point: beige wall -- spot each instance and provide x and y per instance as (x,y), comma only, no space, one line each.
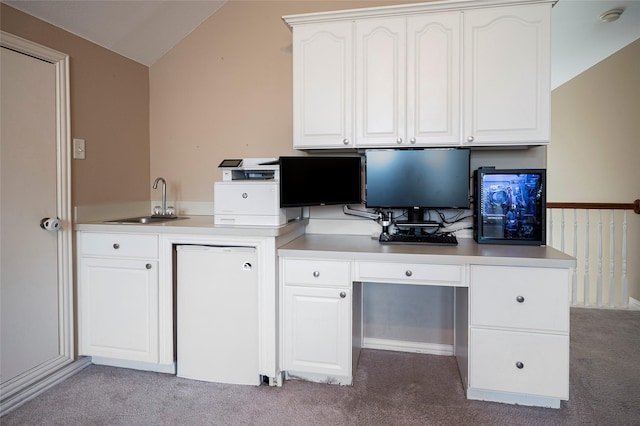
(595,125)
(225,91)
(109,109)
(595,152)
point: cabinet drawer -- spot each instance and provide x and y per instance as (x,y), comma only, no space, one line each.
(317,272)
(118,245)
(414,273)
(526,363)
(513,297)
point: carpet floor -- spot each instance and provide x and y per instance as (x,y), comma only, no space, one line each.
(390,388)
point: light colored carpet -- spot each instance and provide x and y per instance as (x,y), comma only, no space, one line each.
(390,388)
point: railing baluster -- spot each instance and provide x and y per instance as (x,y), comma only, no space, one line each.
(562,232)
(599,278)
(612,260)
(574,278)
(550,220)
(625,290)
(587,290)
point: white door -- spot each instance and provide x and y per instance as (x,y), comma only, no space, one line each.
(35,288)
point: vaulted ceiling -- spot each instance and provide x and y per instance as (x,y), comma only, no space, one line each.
(145,30)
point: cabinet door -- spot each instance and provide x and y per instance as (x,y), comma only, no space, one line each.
(507,75)
(433,79)
(380,77)
(518,362)
(317,324)
(323,85)
(118,309)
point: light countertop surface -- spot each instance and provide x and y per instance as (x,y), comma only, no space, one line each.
(366,248)
(191,225)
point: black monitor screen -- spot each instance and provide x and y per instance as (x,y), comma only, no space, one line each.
(318,181)
(422,178)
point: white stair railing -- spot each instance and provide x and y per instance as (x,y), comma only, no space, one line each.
(611,293)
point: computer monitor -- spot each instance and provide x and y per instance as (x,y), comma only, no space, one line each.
(417,179)
(320,181)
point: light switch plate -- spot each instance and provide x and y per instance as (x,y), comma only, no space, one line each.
(78,149)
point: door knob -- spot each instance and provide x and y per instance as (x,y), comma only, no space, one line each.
(50,224)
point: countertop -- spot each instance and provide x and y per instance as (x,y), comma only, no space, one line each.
(202,225)
(366,248)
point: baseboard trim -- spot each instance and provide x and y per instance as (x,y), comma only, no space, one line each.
(407,346)
(40,386)
(135,365)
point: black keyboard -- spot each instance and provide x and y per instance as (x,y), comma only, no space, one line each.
(426,239)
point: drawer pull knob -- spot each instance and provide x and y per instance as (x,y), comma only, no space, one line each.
(408,272)
(520,299)
(148,266)
(343,294)
(316,274)
(520,365)
(116,246)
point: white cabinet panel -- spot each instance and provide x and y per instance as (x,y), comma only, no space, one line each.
(317,330)
(118,296)
(119,245)
(318,272)
(524,363)
(323,85)
(412,273)
(507,75)
(520,298)
(118,309)
(380,79)
(433,79)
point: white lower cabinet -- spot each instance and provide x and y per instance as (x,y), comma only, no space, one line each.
(519,334)
(118,296)
(520,362)
(317,320)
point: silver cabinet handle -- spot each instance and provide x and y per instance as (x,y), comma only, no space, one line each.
(148,266)
(412,140)
(399,140)
(343,294)
(116,246)
(316,274)
(470,139)
(345,141)
(519,365)
(520,299)
(408,272)
(50,224)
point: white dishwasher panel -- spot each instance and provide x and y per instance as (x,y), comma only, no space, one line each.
(217,314)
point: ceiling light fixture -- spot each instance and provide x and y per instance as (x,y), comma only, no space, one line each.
(611,15)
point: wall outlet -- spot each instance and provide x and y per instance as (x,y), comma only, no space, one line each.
(78,149)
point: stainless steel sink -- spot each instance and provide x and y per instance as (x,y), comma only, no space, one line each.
(145,220)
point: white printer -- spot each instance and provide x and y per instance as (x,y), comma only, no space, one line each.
(249,194)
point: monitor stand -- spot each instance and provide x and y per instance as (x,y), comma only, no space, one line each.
(415,219)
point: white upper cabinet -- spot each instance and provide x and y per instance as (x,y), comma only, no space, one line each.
(323,86)
(408,81)
(380,81)
(442,73)
(433,79)
(507,75)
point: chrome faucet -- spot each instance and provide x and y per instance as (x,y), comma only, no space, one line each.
(164,193)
